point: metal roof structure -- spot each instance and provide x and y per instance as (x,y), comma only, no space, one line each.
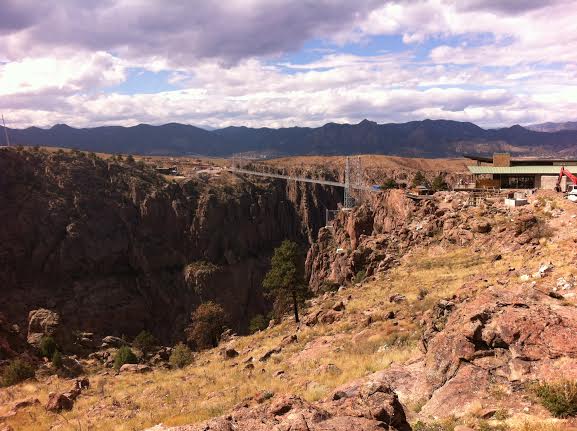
(519,170)
(524,160)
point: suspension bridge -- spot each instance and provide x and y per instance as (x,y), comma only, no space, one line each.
(353,185)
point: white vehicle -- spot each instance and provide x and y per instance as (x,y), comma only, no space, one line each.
(572,192)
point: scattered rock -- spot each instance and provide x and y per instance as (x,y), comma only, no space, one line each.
(289,339)
(481,227)
(397,298)
(111,341)
(366,408)
(268,354)
(58,402)
(229,353)
(339,306)
(135,368)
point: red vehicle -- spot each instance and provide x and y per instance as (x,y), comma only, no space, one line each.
(571,188)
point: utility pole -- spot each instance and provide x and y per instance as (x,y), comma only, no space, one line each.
(5,131)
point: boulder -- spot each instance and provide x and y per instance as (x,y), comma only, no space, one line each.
(59,401)
(504,335)
(42,322)
(134,368)
(229,353)
(111,341)
(481,226)
(268,354)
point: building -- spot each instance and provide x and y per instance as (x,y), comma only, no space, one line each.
(504,172)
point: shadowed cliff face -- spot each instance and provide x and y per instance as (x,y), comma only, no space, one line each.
(114,248)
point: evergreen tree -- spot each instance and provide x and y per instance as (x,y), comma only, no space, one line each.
(439,183)
(389,183)
(285,280)
(420,180)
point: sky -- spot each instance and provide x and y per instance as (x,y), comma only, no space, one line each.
(283,63)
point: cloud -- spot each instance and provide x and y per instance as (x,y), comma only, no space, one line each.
(180,31)
(485,61)
(60,76)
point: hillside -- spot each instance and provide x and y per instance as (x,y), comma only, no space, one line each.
(429,315)
(428,138)
(553,127)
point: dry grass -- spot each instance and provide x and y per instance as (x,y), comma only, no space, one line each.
(323,358)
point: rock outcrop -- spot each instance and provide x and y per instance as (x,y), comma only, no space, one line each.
(364,407)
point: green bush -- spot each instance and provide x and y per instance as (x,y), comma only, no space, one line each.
(559,398)
(419,180)
(57,360)
(389,183)
(258,323)
(16,372)
(359,276)
(124,355)
(144,341)
(439,183)
(181,356)
(47,347)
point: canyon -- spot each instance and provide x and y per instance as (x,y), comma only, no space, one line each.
(428,314)
(114,248)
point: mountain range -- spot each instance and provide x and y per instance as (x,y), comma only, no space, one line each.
(427,138)
(553,127)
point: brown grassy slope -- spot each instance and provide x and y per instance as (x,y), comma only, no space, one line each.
(376,161)
(324,356)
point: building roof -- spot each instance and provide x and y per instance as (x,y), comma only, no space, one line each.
(528,169)
(489,159)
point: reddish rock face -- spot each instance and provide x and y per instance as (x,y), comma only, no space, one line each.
(501,338)
(106,245)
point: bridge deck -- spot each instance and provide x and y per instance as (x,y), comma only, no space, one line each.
(303,179)
(288,177)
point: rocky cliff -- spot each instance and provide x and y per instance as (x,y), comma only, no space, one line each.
(115,248)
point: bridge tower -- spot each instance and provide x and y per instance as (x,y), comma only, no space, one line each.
(5,132)
(353,181)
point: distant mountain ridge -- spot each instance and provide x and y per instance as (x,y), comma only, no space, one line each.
(553,127)
(426,138)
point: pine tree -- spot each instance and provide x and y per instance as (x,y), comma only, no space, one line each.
(285,280)
(420,180)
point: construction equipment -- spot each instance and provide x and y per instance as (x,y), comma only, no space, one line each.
(571,188)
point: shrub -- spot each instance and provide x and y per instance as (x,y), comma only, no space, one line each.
(124,355)
(207,324)
(130,159)
(419,180)
(181,356)
(329,286)
(359,276)
(559,398)
(389,183)
(57,360)
(439,183)
(47,347)
(16,372)
(444,425)
(258,323)
(144,341)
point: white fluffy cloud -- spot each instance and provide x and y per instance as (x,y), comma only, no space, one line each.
(491,62)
